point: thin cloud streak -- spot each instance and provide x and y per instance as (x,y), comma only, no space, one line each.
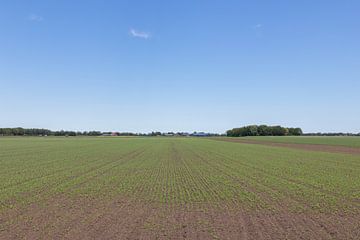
(35,18)
(258,29)
(139,34)
(257,26)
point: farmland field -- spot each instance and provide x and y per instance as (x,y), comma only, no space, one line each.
(176,188)
(322,140)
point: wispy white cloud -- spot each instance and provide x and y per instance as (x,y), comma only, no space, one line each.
(139,34)
(258,29)
(257,26)
(35,18)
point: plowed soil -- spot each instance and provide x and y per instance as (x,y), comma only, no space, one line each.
(309,147)
(84,218)
(174,188)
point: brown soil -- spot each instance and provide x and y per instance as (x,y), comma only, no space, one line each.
(308,147)
(84,218)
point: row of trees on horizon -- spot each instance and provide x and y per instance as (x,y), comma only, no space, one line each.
(251,130)
(263,130)
(46,132)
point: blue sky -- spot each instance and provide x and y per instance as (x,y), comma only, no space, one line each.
(180,66)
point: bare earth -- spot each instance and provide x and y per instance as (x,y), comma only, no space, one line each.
(308,147)
(66,218)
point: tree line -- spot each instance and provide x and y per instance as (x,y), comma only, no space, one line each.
(263,130)
(251,130)
(331,134)
(44,132)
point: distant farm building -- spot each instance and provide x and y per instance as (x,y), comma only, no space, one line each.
(200,134)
